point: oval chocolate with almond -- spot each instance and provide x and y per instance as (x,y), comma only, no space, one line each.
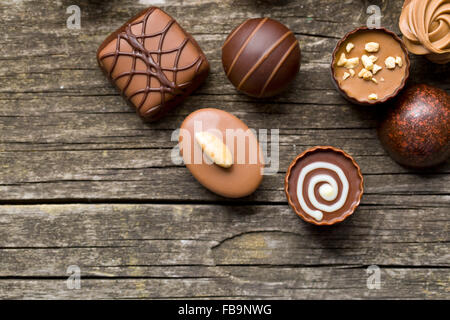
(221,152)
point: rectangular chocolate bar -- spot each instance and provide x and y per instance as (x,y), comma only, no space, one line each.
(153,62)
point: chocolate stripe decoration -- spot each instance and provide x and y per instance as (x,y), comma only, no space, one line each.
(245,45)
(274,72)
(153,62)
(260,57)
(234,32)
(264,57)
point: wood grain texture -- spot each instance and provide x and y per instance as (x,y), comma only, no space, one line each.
(84,181)
(220,251)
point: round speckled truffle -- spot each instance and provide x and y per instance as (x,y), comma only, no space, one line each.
(416,130)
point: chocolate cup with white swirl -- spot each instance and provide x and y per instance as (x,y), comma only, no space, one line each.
(324,185)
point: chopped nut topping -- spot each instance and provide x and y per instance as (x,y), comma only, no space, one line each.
(373,96)
(360,74)
(376,68)
(399,61)
(374,80)
(352,72)
(349,47)
(346,75)
(372,47)
(390,62)
(341,60)
(367,62)
(351,63)
(347,63)
(373,58)
(365,74)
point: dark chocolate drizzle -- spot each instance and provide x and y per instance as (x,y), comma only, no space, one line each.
(154,68)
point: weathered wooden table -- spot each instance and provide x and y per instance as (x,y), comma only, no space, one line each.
(85,182)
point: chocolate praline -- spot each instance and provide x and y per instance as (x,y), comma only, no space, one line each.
(389,82)
(261,57)
(246,172)
(153,62)
(426,28)
(415,130)
(324,185)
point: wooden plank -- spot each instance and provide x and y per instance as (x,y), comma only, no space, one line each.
(245,282)
(128,251)
(56,179)
(217,235)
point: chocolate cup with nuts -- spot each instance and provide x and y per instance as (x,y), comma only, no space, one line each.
(381,81)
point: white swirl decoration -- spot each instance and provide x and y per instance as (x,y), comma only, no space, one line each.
(328,190)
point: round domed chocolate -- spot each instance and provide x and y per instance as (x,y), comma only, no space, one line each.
(261,57)
(324,185)
(415,131)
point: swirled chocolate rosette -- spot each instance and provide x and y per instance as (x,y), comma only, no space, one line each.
(324,185)
(425,25)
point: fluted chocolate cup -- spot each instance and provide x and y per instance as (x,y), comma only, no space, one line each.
(324,185)
(389,82)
